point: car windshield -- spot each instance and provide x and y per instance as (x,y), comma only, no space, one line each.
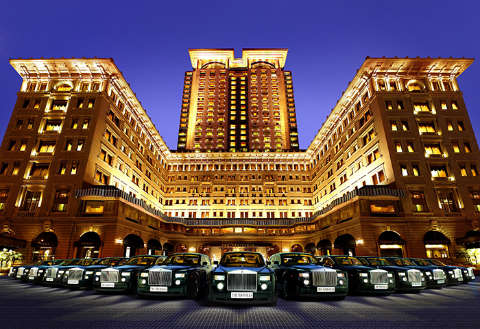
(67,262)
(184,259)
(141,261)
(347,261)
(422,262)
(58,261)
(110,261)
(86,262)
(160,260)
(402,262)
(436,262)
(295,259)
(242,259)
(378,261)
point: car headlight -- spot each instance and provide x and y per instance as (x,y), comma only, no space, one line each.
(217,277)
(401,274)
(340,275)
(265,277)
(61,272)
(40,271)
(126,274)
(98,273)
(304,275)
(364,275)
(144,274)
(179,275)
(88,272)
(390,275)
(450,272)
(67,272)
(428,273)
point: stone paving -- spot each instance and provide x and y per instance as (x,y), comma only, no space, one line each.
(26,306)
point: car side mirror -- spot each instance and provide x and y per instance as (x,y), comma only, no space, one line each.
(269,263)
(215,262)
(276,262)
(204,263)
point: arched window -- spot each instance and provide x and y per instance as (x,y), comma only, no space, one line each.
(132,243)
(345,244)
(154,247)
(391,244)
(436,244)
(64,86)
(415,86)
(88,246)
(44,246)
(325,247)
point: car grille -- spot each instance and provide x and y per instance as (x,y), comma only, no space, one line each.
(242,281)
(20,272)
(51,272)
(33,271)
(109,276)
(414,276)
(378,277)
(324,278)
(160,277)
(75,274)
(457,273)
(438,274)
(470,272)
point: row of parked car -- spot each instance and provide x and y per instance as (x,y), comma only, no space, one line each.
(245,277)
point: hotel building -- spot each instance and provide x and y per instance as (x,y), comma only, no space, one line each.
(392,171)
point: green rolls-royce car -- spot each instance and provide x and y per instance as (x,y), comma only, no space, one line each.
(242,278)
(122,278)
(434,277)
(82,276)
(182,274)
(37,272)
(406,279)
(362,279)
(453,273)
(299,275)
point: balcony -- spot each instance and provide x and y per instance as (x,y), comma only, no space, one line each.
(113,192)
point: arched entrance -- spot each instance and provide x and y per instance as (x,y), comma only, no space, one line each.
(391,244)
(272,250)
(88,246)
(132,244)
(167,248)
(154,247)
(296,248)
(325,247)
(471,242)
(310,248)
(44,246)
(436,244)
(345,245)
(181,248)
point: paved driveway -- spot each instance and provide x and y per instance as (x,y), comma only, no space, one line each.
(26,306)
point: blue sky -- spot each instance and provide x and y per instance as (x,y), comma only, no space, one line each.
(327,43)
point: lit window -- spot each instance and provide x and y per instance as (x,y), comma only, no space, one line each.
(404,170)
(398,147)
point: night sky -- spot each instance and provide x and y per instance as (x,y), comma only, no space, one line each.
(327,41)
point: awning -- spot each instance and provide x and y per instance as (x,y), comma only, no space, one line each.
(133,241)
(390,237)
(10,242)
(89,239)
(45,240)
(470,240)
(435,238)
(154,244)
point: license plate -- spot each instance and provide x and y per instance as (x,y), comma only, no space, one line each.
(107,285)
(242,295)
(72,281)
(49,279)
(159,289)
(325,289)
(416,284)
(460,279)
(440,281)
(381,286)
(31,277)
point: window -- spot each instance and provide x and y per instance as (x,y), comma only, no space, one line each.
(85,124)
(400,106)
(426,127)
(3,168)
(23,145)
(39,170)
(404,170)
(439,171)
(418,202)
(421,107)
(447,201)
(46,147)
(59,105)
(91,103)
(468,148)
(11,145)
(101,177)
(16,168)
(432,149)
(463,170)
(443,105)
(455,147)
(74,124)
(454,105)
(410,147)
(475,195)
(60,201)
(74,169)
(393,125)
(398,147)
(461,126)
(31,200)
(19,124)
(30,124)
(68,145)
(63,168)
(473,170)
(416,170)
(80,144)
(389,105)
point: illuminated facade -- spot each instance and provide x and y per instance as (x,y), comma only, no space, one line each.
(238,104)
(392,171)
